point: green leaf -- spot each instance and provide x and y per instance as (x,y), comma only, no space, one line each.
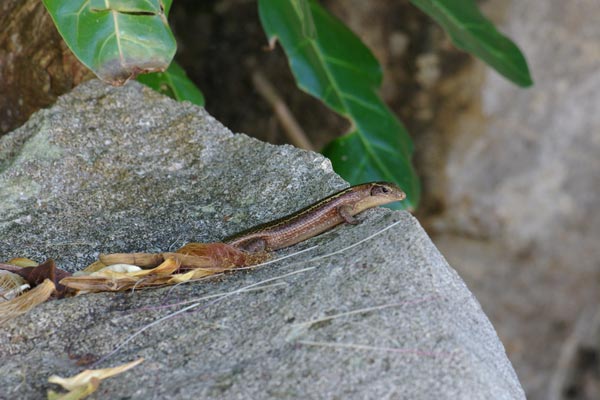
(116,39)
(302,8)
(337,68)
(356,165)
(474,33)
(174,83)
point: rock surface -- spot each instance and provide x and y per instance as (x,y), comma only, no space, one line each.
(125,169)
(522,186)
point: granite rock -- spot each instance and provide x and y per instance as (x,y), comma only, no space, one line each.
(125,169)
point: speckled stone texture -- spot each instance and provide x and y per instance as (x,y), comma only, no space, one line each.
(125,169)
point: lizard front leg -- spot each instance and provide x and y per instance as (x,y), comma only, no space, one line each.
(345,212)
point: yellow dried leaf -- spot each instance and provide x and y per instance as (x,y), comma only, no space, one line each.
(80,392)
(192,274)
(21,304)
(93,267)
(169,266)
(178,278)
(11,285)
(88,380)
(22,262)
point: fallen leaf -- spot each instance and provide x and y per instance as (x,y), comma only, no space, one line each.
(144,260)
(11,285)
(22,262)
(124,268)
(108,279)
(26,301)
(86,382)
(46,270)
(80,392)
(221,255)
(93,267)
(192,274)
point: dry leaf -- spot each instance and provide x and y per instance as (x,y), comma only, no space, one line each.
(169,266)
(221,255)
(126,268)
(86,382)
(25,302)
(218,256)
(144,260)
(86,284)
(190,275)
(46,270)
(109,280)
(80,392)
(22,262)
(115,272)
(11,285)
(93,267)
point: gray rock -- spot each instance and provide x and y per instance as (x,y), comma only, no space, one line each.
(522,191)
(125,169)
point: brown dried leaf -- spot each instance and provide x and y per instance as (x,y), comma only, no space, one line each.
(46,270)
(221,255)
(144,260)
(88,283)
(190,261)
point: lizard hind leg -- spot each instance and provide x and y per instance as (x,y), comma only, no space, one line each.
(253,245)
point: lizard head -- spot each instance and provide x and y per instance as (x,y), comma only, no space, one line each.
(377,194)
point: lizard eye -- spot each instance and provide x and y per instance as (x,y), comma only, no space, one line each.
(378,190)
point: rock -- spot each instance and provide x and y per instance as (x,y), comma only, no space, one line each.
(522,184)
(125,169)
